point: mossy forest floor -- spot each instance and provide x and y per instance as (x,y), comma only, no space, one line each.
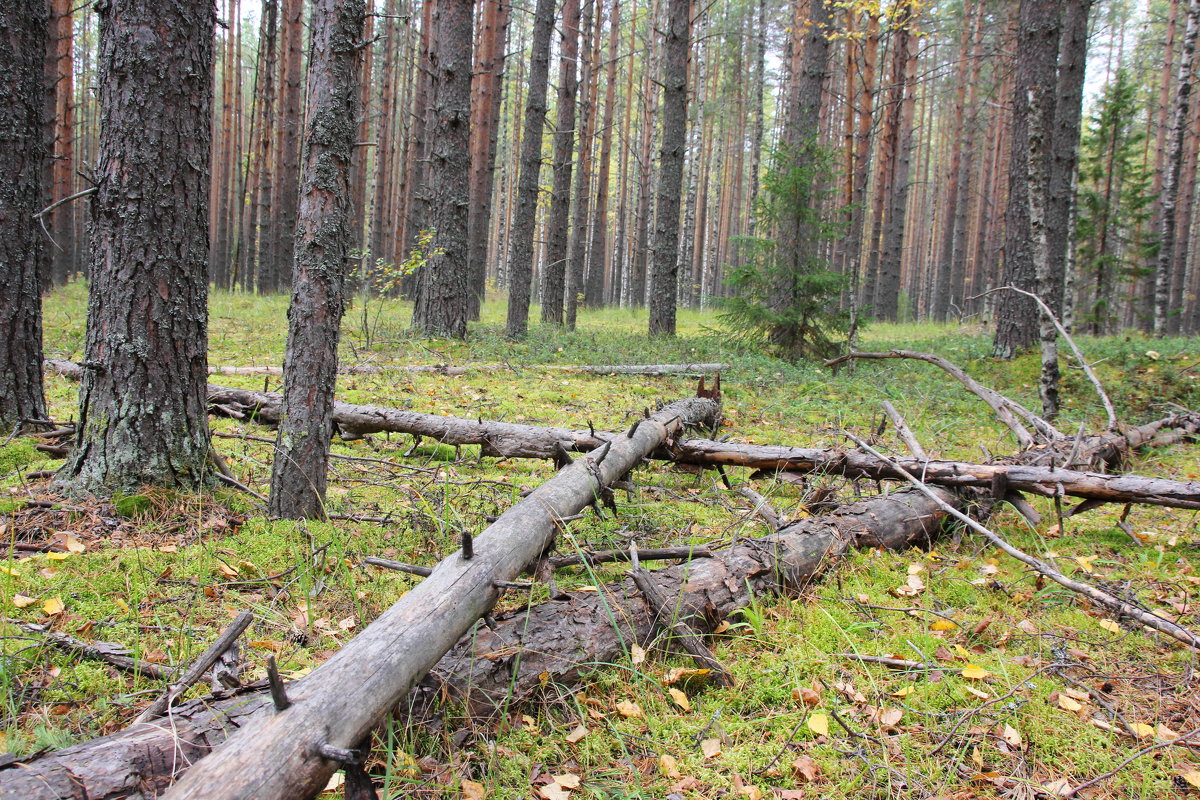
(1037,688)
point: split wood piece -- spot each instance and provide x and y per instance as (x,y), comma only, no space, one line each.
(278,755)
(1005,409)
(450,369)
(676,617)
(556,641)
(1096,595)
(109,652)
(198,668)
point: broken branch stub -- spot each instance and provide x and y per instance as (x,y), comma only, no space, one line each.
(278,755)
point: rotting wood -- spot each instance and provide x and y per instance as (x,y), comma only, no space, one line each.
(678,619)
(278,755)
(507,662)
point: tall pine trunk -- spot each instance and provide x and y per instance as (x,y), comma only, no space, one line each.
(143,419)
(23,151)
(322,237)
(557,230)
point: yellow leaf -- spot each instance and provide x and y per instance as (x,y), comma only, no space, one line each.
(711,748)
(1085,563)
(961,651)
(473,791)
(1192,777)
(1141,730)
(1109,625)
(668,766)
(975,673)
(53,606)
(628,708)
(636,654)
(977,693)
(904,691)
(943,625)
(529,722)
(1153,355)
(819,724)
(567,780)
(226,570)
(121,604)
(1012,736)
(680,699)
(577,734)
(751,792)
(1069,703)
(9,570)
(23,601)
(74,545)
(58,556)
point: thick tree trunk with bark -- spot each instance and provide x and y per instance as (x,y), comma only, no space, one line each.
(322,238)
(1170,180)
(282,222)
(62,73)
(1034,92)
(441,306)
(558,220)
(142,412)
(594,291)
(23,151)
(665,271)
(520,262)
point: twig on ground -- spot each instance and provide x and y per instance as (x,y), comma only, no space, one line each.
(109,652)
(1098,596)
(1148,749)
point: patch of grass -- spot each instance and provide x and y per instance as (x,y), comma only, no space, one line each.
(162,573)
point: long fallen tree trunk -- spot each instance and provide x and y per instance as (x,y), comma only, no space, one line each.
(285,753)
(508,661)
(1040,471)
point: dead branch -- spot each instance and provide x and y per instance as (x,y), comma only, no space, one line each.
(109,652)
(904,432)
(1098,596)
(1005,409)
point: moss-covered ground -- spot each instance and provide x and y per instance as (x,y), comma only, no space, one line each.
(1007,712)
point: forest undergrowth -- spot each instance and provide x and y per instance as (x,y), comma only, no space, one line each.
(1029,691)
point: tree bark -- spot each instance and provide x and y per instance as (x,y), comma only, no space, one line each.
(142,412)
(62,219)
(1170,181)
(520,262)
(23,152)
(282,223)
(665,276)
(441,306)
(558,220)
(1036,79)
(600,259)
(581,195)
(298,474)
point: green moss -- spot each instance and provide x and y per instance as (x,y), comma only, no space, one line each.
(20,452)
(131,505)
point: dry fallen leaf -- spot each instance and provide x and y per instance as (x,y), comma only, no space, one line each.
(1165,733)
(1110,626)
(942,625)
(1025,626)
(807,696)
(636,654)
(23,601)
(628,708)
(529,722)
(1141,730)
(53,606)
(805,769)
(904,691)
(975,673)
(680,699)
(1192,776)
(888,718)
(577,734)
(1058,788)
(977,693)
(819,724)
(1012,736)
(473,791)
(668,766)
(568,779)
(74,545)
(1069,703)
(751,792)
(58,556)
(554,792)
(711,748)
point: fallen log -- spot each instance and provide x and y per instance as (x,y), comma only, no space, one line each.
(462,369)
(1039,471)
(286,754)
(509,661)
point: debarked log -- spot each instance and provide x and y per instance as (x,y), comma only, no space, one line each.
(510,660)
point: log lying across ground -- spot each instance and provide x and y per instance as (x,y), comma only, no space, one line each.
(507,661)
(285,754)
(531,441)
(1039,471)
